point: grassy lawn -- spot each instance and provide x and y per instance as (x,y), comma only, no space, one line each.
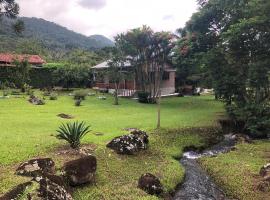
(237,171)
(28,131)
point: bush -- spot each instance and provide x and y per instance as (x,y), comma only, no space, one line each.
(73,133)
(5,93)
(53,96)
(78,102)
(80,94)
(143,97)
(46,93)
(255,116)
(15,92)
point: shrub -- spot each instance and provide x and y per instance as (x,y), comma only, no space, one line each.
(5,93)
(256,118)
(73,133)
(46,93)
(78,102)
(53,96)
(143,97)
(80,94)
(15,92)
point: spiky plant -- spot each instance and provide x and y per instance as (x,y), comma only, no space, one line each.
(73,133)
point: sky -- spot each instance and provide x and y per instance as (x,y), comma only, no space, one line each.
(110,17)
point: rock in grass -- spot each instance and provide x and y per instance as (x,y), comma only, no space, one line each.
(35,167)
(150,184)
(16,191)
(265,170)
(81,171)
(36,101)
(50,187)
(130,144)
(65,116)
(264,184)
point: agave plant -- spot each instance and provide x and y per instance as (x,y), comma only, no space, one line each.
(73,133)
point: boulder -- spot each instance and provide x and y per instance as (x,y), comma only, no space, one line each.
(65,116)
(265,170)
(36,101)
(264,186)
(16,192)
(51,187)
(35,167)
(141,134)
(242,138)
(150,184)
(81,171)
(130,144)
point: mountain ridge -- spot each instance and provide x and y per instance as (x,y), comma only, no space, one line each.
(53,35)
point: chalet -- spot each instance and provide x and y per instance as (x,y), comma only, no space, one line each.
(33,60)
(129,87)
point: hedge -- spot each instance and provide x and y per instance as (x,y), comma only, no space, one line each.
(39,77)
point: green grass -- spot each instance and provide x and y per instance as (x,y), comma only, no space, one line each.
(237,171)
(27,131)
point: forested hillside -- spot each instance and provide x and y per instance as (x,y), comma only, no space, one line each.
(52,36)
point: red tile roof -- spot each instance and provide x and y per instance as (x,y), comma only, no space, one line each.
(32,59)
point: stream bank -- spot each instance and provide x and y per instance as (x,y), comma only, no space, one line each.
(197,184)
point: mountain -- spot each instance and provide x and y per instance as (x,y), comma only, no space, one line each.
(52,35)
(102,40)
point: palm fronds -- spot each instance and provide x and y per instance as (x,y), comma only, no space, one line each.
(73,133)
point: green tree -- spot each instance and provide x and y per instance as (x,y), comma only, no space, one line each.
(148,52)
(72,76)
(10,9)
(117,72)
(234,40)
(21,76)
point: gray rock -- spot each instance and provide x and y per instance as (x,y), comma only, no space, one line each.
(130,144)
(35,167)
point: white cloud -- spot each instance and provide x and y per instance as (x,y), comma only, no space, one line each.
(92,4)
(109,17)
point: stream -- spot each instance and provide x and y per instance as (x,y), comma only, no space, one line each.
(197,184)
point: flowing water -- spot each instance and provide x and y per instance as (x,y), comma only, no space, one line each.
(197,184)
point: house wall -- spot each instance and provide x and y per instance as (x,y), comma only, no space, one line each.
(168,86)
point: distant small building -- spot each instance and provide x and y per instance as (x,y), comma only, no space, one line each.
(33,60)
(129,87)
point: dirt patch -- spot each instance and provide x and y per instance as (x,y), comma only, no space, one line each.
(65,116)
(68,151)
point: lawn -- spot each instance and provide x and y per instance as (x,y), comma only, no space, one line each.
(28,131)
(237,172)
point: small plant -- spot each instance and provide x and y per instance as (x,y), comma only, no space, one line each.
(15,92)
(78,102)
(46,93)
(80,94)
(143,97)
(27,89)
(5,93)
(73,133)
(53,96)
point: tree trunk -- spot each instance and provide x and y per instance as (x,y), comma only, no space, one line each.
(158,112)
(116,102)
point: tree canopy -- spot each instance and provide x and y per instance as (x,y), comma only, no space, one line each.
(230,40)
